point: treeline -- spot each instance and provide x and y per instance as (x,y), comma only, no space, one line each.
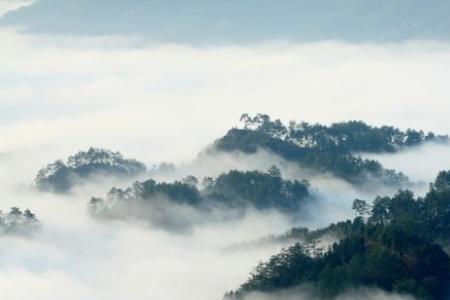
(62,176)
(343,137)
(324,149)
(332,149)
(395,244)
(234,190)
(17,221)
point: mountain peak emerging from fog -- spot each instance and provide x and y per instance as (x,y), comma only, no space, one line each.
(206,21)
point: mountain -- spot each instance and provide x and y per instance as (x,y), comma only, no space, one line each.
(83,167)
(205,21)
(328,149)
(396,244)
(174,205)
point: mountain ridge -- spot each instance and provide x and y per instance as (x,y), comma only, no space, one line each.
(218,21)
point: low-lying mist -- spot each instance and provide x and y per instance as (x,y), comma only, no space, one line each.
(74,256)
(165,103)
(302,294)
(420,163)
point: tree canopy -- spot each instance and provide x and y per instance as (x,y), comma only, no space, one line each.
(334,149)
(394,244)
(62,176)
(232,190)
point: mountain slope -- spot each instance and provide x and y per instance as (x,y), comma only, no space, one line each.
(396,244)
(237,20)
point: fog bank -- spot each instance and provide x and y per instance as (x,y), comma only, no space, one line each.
(165,102)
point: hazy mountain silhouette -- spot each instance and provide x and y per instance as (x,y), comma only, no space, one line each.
(199,21)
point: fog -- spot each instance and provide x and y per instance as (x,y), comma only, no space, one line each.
(421,163)
(166,102)
(9,5)
(75,257)
(160,103)
(300,294)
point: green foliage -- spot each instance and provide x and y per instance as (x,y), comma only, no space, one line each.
(327,148)
(394,244)
(61,177)
(380,256)
(361,207)
(344,137)
(233,190)
(177,192)
(261,190)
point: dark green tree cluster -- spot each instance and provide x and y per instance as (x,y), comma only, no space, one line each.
(61,176)
(235,189)
(427,216)
(343,137)
(394,244)
(377,256)
(330,149)
(177,192)
(17,221)
(262,190)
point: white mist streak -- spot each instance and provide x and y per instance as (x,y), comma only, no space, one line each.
(166,102)
(59,95)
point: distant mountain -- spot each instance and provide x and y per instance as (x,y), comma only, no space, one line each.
(205,21)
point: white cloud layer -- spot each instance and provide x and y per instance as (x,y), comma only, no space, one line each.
(369,294)
(421,163)
(75,257)
(166,102)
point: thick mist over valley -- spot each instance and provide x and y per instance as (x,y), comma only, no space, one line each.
(69,240)
(259,167)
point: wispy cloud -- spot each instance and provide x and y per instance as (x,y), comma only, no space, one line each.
(9,5)
(165,102)
(301,294)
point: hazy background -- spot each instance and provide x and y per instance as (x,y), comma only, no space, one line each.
(166,102)
(240,21)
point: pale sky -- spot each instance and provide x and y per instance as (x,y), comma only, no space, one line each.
(167,102)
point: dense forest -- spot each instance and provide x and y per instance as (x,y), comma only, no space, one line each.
(334,149)
(234,190)
(61,176)
(396,244)
(17,221)
(321,149)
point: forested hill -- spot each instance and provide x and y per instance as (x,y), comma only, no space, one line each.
(173,204)
(320,149)
(204,21)
(61,176)
(395,244)
(333,149)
